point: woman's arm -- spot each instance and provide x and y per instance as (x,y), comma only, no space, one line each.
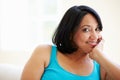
(34,68)
(105,75)
(111,69)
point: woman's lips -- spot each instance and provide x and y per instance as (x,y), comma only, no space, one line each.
(93,44)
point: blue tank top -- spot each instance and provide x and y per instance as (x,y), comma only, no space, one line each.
(55,72)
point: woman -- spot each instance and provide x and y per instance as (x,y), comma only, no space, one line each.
(77,54)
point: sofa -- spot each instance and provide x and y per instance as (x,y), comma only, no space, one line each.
(10,72)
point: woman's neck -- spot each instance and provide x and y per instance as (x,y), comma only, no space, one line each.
(77,56)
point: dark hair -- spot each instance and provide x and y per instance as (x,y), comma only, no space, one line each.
(63,36)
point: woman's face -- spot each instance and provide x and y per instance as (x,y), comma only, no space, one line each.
(88,34)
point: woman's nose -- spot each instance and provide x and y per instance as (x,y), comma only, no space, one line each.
(94,35)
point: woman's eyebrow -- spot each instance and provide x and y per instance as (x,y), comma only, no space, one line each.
(85,26)
(97,26)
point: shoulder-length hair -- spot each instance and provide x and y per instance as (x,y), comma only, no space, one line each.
(63,36)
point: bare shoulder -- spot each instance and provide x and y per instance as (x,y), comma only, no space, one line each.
(39,59)
(42,52)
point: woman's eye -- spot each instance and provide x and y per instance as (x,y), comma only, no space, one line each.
(86,30)
(97,29)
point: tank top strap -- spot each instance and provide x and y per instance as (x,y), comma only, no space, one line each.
(52,56)
(53,53)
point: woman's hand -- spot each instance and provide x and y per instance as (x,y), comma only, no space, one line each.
(97,50)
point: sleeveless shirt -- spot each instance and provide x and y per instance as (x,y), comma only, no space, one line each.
(55,72)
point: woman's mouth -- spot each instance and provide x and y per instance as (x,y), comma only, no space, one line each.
(91,43)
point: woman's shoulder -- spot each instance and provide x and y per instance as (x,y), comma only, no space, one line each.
(42,53)
(42,49)
(37,62)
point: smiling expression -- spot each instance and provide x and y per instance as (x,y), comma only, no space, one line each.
(88,34)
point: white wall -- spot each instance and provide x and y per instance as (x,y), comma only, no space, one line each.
(108,10)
